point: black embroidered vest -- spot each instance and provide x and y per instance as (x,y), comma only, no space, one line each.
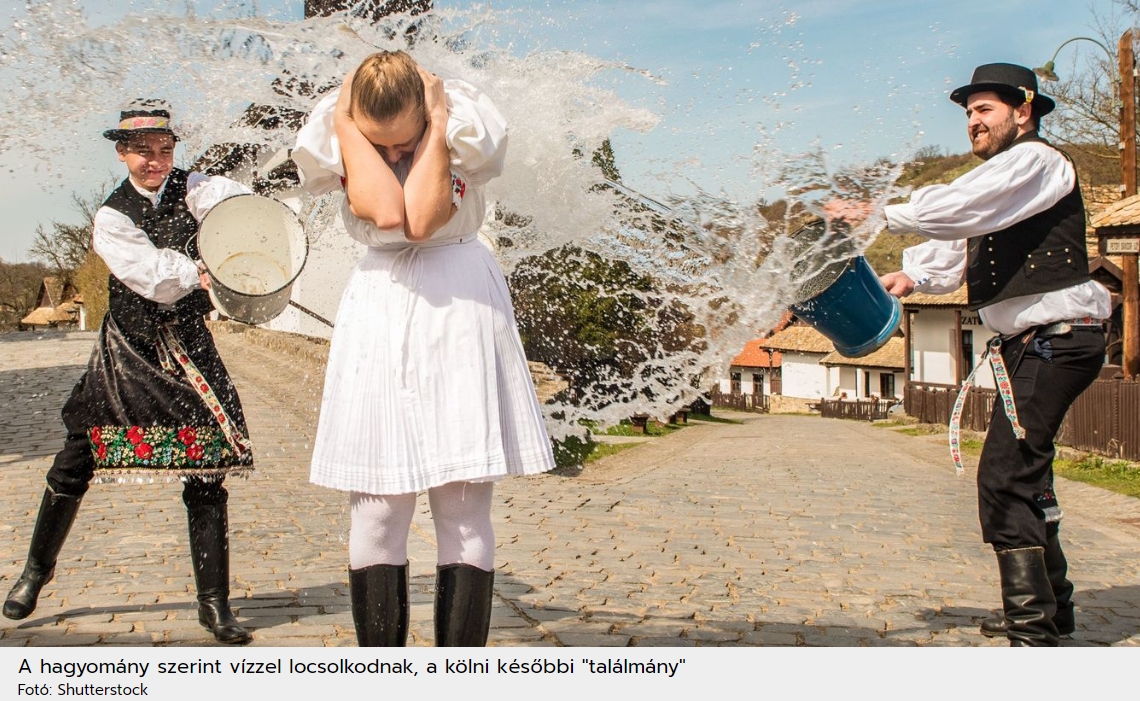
(168,225)
(1043,253)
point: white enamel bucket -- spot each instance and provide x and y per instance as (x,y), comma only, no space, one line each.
(253,248)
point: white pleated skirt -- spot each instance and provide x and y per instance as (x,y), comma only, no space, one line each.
(427,382)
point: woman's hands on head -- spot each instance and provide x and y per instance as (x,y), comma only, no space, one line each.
(343,111)
(427,191)
(435,100)
(374,194)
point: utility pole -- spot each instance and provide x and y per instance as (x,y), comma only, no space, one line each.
(1131,291)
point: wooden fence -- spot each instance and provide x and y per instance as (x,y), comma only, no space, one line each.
(741,402)
(1105,419)
(858,409)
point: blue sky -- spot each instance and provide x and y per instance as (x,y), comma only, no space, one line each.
(855,79)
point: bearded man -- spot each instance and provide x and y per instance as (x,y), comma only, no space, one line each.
(1013,229)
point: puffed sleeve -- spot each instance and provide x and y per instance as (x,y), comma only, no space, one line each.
(163,275)
(937,267)
(204,192)
(317,150)
(476,132)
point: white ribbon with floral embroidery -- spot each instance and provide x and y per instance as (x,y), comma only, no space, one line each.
(171,351)
(1005,394)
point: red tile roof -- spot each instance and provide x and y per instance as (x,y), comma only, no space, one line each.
(755,355)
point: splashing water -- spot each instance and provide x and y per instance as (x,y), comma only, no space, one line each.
(718,272)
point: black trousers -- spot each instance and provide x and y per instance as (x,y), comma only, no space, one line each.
(1017,504)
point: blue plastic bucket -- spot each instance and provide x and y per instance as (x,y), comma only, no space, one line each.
(847,303)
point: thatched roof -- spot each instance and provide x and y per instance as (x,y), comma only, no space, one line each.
(891,357)
(46,316)
(799,339)
(957,298)
(55,291)
(57,304)
(1126,212)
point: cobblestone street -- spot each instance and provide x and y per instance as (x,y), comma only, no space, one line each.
(777,530)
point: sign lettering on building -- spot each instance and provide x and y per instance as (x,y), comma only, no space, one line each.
(1131,245)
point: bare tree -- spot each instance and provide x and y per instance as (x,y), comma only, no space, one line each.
(63,247)
(1087,120)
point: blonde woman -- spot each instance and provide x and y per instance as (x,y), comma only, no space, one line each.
(427,385)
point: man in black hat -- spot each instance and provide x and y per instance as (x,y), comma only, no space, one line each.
(156,400)
(1013,229)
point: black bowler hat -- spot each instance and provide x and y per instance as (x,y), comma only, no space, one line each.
(1018,82)
(148,116)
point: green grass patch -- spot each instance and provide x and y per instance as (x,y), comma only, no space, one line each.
(921,430)
(604,450)
(712,419)
(1114,475)
(651,429)
(571,453)
(572,450)
(971,446)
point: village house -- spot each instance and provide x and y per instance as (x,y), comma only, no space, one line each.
(754,374)
(877,375)
(944,340)
(803,380)
(57,306)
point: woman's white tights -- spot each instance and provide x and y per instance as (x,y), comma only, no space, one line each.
(461,512)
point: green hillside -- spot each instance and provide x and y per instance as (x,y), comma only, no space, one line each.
(885,252)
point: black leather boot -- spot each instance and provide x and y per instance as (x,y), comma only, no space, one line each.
(1027,597)
(209,550)
(1058,568)
(380,605)
(463,595)
(57,513)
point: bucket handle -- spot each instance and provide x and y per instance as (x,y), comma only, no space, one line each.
(313,314)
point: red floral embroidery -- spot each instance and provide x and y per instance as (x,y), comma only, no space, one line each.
(158,447)
(135,435)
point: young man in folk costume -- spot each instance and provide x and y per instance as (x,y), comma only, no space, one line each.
(1013,229)
(156,400)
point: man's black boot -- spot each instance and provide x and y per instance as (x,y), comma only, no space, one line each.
(1027,598)
(57,514)
(1058,568)
(210,553)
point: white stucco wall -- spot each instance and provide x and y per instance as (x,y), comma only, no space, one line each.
(933,355)
(852,380)
(803,376)
(747,376)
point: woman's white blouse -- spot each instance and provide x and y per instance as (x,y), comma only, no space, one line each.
(476,139)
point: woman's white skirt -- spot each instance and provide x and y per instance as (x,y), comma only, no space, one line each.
(427,382)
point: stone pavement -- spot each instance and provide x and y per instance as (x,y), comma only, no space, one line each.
(778,530)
